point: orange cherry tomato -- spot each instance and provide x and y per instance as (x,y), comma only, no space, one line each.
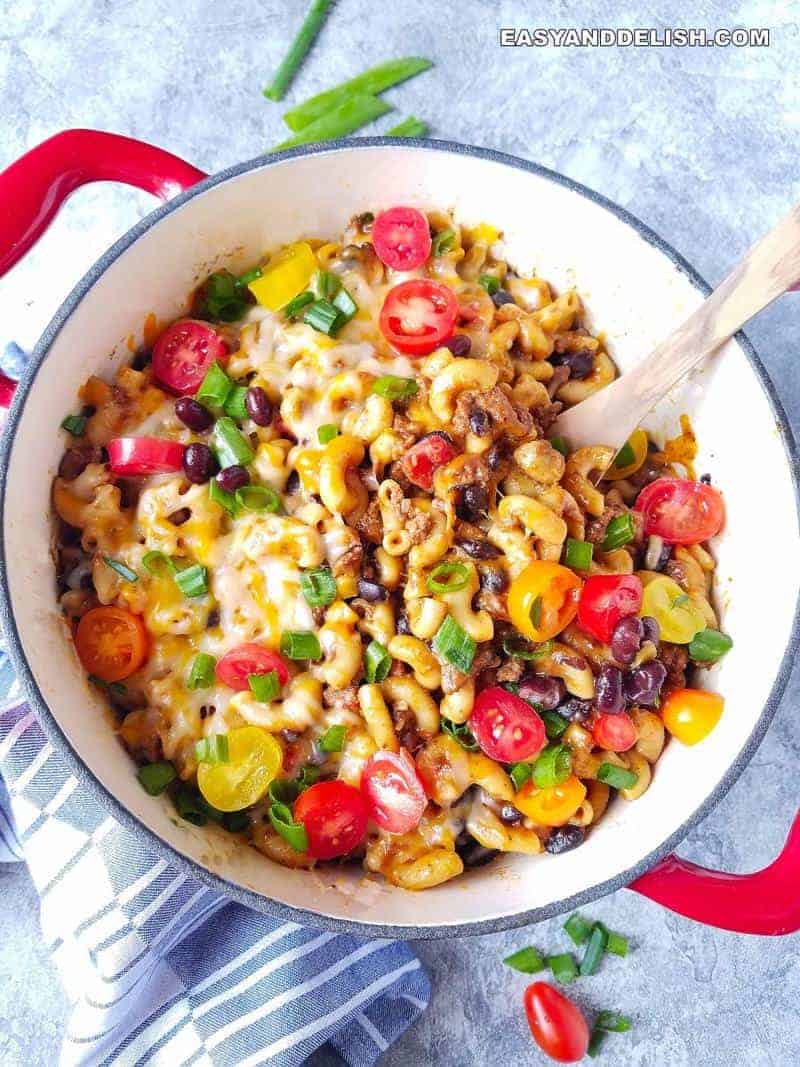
(543,599)
(553,806)
(691,714)
(111,643)
(558,1026)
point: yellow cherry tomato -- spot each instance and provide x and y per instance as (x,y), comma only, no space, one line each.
(543,599)
(678,619)
(553,806)
(287,274)
(254,758)
(630,458)
(691,714)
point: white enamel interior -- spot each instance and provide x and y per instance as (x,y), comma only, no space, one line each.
(635,296)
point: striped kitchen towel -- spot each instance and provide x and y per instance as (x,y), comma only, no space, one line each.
(160,969)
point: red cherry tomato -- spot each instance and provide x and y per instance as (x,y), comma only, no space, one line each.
(394,794)
(423,458)
(557,1025)
(614,733)
(418,316)
(335,817)
(680,511)
(184,352)
(506,726)
(401,237)
(605,599)
(234,667)
(144,455)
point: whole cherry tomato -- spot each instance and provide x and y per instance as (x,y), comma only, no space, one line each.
(335,817)
(418,316)
(423,459)
(605,599)
(139,456)
(506,726)
(558,1026)
(691,714)
(401,237)
(680,511)
(237,665)
(614,733)
(184,352)
(393,791)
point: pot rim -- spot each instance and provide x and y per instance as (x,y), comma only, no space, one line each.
(150,839)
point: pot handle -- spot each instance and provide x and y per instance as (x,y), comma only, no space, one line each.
(765,902)
(34,188)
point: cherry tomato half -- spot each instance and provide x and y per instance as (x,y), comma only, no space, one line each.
(506,726)
(543,599)
(553,805)
(680,511)
(605,599)
(691,714)
(401,237)
(235,666)
(558,1026)
(184,352)
(134,456)
(418,316)
(614,733)
(111,643)
(393,791)
(423,459)
(335,817)
(254,758)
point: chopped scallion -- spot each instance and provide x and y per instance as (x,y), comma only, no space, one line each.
(560,445)
(229,445)
(519,648)
(296,305)
(280,815)
(235,821)
(298,50)
(461,733)
(158,563)
(121,569)
(333,739)
(377,662)
(527,960)
(74,424)
(563,967)
(578,554)
(258,498)
(443,242)
(215,387)
(322,316)
(264,687)
(620,531)
(595,1042)
(249,276)
(708,646)
(455,645)
(224,299)
(447,578)
(326,433)
(283,790)
(212,749)
(349,115)
(394,388)
(346,306)
(325,285)
(201,674)
(155,777)
(222,497)
(520,773)
(617,944)
(625,456)
(552,767)
(554,724)
(613,1021)
(595,947)
(578,928)
(235,404)
(300,644)
(193,581)
(318,586)
(189,805)
(490,283)
(616,777)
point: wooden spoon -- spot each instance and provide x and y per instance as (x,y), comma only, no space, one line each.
(769,269)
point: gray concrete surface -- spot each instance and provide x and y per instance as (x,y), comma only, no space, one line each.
(702,145)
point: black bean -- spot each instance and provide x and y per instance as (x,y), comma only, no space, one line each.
(179,517)
(459,344)
(643,685)
(479,422)
(542,689)
(88,410)
(233,478)
(371,591)
(472,852)
(496,456)
(401,624)
(199,464)
(193,414)
(494,580)
(73,463)
(290,736)
(259,406)
(141,359)
(581,364)
(564,839)
(575,710)
(479,549)
(651,631)
(213,619)
(293,482)
(626,639)
(510,815)
(608,695)
(502,296)
(705,479)
(472,501)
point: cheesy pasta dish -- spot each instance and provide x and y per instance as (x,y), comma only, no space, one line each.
(344,591)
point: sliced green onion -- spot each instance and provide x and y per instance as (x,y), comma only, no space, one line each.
(442,242)
(461,733)
(625,456)
(258,498)
(410,127)
(308,775)
(682,599)
(394,388)
(327,433)
(617,944)
(318,587)
(222,497)
(322,316)
(155,777)
(613,1021)
(212,749)
(201,674)
(552,767)
(490,283)
(189,805)
(616,777)
(455,575)
(346,306)
(377,662)
(325,285)
(536,612)
(554,724)
(249,276)
(300,644)
(280,815)
(455,645)
(595,1042)
(560,445)
(564,968)
(235,404)
(229,445)
(74,424)
(193,581)
(527,960)
(116,689)
(371,82)
(520,773)
(283,790)
(578,928)
(215,387)
(595,947)
(519,648)
(264,687)
(224,301)
(350,115)
(301,301)
(578,554)
(158,563)
(298,50)
(121,569)
(708,646)
(620,531)
(333,739)
(235,821)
